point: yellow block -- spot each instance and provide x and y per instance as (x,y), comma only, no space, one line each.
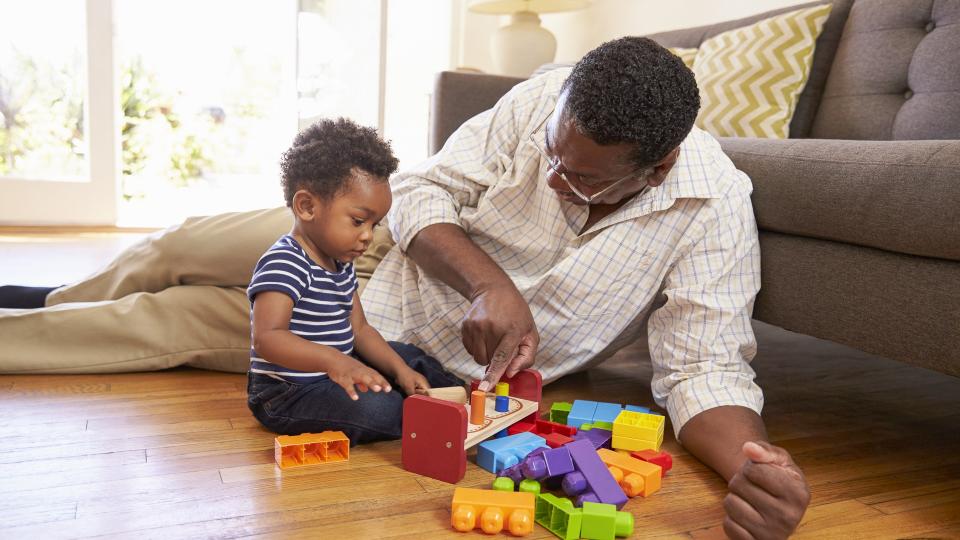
(638,425)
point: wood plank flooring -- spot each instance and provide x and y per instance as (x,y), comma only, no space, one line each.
(176,454)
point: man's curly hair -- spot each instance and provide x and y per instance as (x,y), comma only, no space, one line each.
(323,155)
(632,90)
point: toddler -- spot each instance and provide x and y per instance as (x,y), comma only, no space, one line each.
(312,348)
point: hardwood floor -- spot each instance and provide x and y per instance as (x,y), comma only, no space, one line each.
(176,454)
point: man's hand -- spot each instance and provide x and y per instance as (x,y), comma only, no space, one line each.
(352,375)
(412,382)
(499,331)
(768,495)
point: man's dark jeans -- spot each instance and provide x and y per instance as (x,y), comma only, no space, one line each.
(291,409)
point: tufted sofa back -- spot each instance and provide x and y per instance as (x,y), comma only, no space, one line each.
(896,73)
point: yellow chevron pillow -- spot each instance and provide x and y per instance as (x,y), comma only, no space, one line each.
(685,54)
(751,77)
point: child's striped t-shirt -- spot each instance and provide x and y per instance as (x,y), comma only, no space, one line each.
(322,302)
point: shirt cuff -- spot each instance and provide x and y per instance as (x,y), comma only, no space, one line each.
(704,392)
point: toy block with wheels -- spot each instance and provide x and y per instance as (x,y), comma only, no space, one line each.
(492,510)
(437,433)
(311,449)
(635,477)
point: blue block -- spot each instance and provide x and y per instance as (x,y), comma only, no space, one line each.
(581,413)
(501,434)
(502,404)
(637,408)
(498,454)
(606,412)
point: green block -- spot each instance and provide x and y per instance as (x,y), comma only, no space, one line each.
(604,522)
(599,425)
(503,483)
(559,412)
(557,515)
(530,486)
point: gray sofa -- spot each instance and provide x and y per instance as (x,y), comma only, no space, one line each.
(859,211)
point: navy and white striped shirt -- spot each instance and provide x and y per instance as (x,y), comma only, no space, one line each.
(322,301)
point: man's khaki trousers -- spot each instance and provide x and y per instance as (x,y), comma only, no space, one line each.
(177,297)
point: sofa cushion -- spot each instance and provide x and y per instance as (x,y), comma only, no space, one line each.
(896,74)
(899,196)
(750,77)
(822,56)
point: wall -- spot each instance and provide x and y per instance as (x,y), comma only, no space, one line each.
(580,31)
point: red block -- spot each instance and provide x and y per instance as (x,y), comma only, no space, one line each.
(663,459)
(543,427)
(556,440)
(520,427)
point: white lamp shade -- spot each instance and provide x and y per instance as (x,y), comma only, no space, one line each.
(506,7)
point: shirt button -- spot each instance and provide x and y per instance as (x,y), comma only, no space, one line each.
(930,26)
(908,94)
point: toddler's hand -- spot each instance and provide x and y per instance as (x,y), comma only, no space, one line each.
(352,374)
(412,382)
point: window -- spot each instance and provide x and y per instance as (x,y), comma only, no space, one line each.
(142,113)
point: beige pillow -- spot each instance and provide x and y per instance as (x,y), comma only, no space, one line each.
(751,77)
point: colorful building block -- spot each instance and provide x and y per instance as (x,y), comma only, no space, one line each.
(502,404)
(558,515)
(502,389)
(492,510)
(635,477)
(637,408)
(503,483)
(606,412)
(604,522)
(661,458)
(311,449)
(597,413)
(638,431)
(592,481)
(587,426)
(520,427)
(541,463)
(529,486)
(559,412)
(599,438)
(555,434)
(581,412)
(498,454)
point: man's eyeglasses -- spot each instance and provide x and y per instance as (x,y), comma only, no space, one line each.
(554,164)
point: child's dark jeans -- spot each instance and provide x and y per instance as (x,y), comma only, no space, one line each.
(291,409)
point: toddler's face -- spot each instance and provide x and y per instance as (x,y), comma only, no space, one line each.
(344,229)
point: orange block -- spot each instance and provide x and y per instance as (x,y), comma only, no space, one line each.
(311,449)
(634,476)
(492,510)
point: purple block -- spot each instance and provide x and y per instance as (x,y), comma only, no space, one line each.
(599,438)
(597,476)
(587,496)
(574,483)
(553,462)
(513,473)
